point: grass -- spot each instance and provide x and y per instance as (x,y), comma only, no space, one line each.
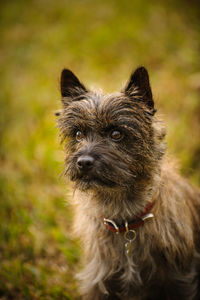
(101,41)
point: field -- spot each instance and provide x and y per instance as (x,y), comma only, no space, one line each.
(102,42)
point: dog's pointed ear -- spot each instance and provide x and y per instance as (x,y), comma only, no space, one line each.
(139,85)
(70,85)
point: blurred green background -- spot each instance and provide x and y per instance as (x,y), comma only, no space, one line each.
(102,42)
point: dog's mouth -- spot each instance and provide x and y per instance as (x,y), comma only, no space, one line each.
(87,181)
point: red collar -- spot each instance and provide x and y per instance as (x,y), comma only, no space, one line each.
(112,226)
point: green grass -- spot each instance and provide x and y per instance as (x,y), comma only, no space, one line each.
(102,42)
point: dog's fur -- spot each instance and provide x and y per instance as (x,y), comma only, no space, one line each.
(127,173)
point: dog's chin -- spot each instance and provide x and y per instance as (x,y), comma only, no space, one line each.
(93,183)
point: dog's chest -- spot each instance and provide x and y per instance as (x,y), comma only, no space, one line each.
(128,256)
(133,270)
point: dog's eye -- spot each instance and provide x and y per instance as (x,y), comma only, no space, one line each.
(116,135)
(79,135)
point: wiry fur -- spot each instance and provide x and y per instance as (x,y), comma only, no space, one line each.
(128,174)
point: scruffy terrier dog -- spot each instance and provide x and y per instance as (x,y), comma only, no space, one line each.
(139,221)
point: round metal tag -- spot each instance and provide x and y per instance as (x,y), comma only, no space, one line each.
(130,235)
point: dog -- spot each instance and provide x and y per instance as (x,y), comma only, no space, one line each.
(137,218)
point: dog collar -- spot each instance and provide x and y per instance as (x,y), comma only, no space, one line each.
(112,226)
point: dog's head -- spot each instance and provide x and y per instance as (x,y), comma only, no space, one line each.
(112,140)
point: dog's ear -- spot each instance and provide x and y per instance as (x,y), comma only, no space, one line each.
(139,85)
(70,85)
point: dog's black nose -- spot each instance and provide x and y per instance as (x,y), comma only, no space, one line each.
(85,162)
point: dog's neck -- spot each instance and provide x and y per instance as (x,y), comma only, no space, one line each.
(125,205)
(118,205)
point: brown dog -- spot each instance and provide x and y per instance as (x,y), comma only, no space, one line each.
(139,221)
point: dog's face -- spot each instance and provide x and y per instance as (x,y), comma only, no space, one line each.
(109,138)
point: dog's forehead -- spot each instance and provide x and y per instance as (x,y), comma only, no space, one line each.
(98,110)
(113,106)
(103,104)
(107,108)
